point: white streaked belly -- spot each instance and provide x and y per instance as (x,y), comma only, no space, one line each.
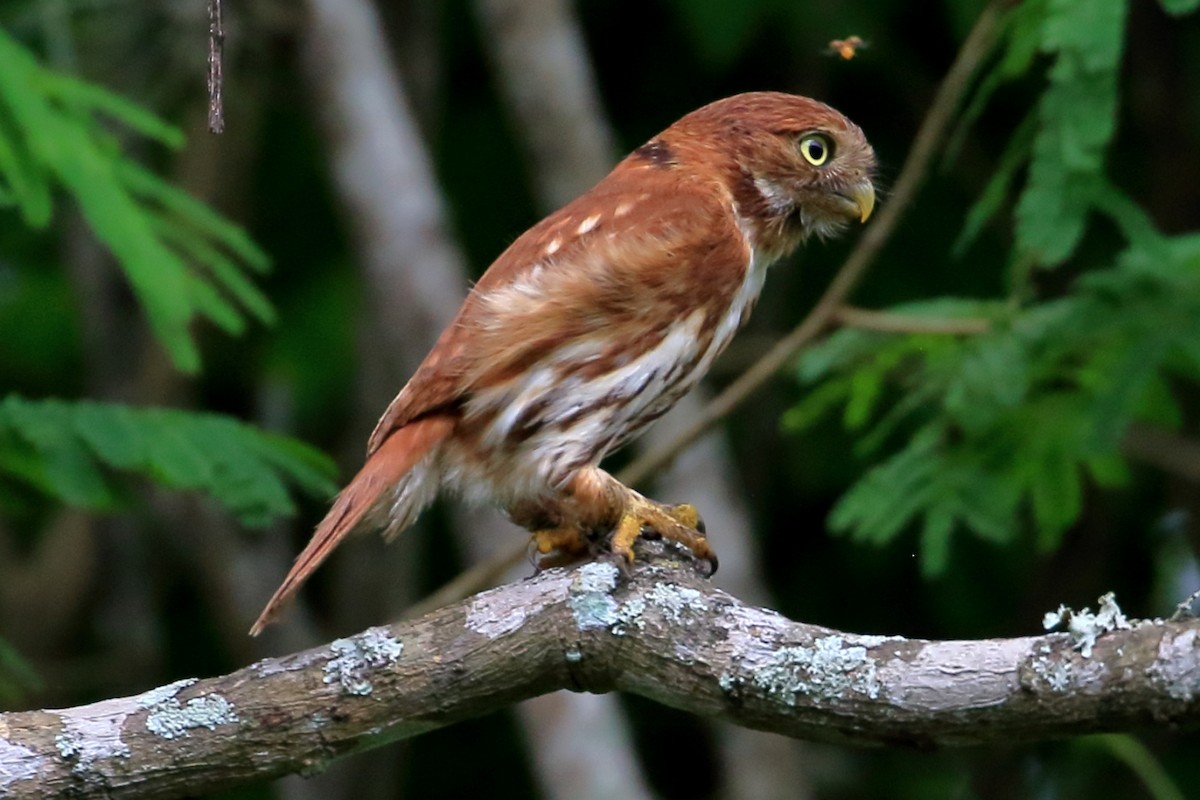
(549,422)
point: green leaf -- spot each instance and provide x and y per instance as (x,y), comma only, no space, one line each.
(935,541)
(27,182)
(209,223)
(1022,39)
(995,193)
(181,258)
(158,275)
(86,97)
(1014,419)
(209,302)
(889,495)
(228,274)
(815,404)
(1057,495)
(990,377)
(1108,470)
(66,467)
(1077,116)
(865,386)
(1179,7)
(836,351)
(71,447)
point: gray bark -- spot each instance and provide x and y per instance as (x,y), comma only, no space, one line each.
(661,632)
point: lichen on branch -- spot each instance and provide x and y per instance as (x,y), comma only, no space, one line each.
(660,631)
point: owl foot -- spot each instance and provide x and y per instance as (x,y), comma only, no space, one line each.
(651,520)
(570,544)
(558,547)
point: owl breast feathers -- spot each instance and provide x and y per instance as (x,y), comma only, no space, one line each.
(595,321)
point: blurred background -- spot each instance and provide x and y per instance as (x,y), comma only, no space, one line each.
(381,154)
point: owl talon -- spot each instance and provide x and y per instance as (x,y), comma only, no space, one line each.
(652,521)
(688,516)
(560,547)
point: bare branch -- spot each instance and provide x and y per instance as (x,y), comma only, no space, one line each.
(663,633)
(216,52)
(891,322)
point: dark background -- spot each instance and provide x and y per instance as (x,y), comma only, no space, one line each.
(132,600)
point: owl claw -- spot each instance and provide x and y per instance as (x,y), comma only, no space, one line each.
(559,547)
(642,518)
(688,516)
(649,520)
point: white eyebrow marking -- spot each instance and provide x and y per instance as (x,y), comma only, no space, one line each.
(623,209)
(555,243)
(588,224)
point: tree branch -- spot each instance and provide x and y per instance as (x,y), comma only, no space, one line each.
(663,633)
(892,322)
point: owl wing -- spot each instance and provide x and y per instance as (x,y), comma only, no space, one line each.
(608,271)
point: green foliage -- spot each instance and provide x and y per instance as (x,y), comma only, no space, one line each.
(1001,432)
(182,259)
(1012,420)
(1180,7)
(1077,118)
(61,450)
(1065,139)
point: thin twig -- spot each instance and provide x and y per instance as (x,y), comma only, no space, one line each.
(891,322)
(930,135)
(216,52)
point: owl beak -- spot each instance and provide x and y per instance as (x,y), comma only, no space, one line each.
(863,196)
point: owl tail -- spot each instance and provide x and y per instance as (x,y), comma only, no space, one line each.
(385,468)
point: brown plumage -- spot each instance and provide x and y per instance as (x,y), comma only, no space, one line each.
(595,321)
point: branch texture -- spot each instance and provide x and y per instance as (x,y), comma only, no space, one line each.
(662,632)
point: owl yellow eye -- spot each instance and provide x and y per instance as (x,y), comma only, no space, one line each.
(816,149)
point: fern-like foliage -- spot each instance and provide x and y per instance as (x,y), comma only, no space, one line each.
(998,432)
(70,451)
(182,259)
(1062,144)
(1002,427)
